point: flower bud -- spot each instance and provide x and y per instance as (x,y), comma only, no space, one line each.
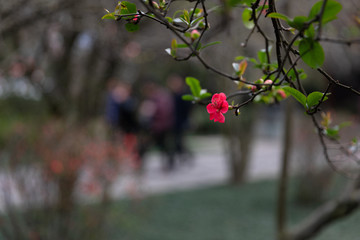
(268,81)
(194,34)
(156,6)
(281,93)
(136,19)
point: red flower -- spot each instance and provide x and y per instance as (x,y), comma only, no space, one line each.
(217,107)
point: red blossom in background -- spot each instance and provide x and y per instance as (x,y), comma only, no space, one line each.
(56,166)
(91,163)
(281,93)
(217,107)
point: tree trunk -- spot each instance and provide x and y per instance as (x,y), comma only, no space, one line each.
(240,137)
(281,210)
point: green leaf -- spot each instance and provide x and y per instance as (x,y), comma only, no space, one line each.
(239,58)
(248,2)
(332,8)
(187,34)
(109,16)
(196,12)
(198,46)
(194,85)
(174,44)
(344,124)
(314,98)
(291,74)
(186,16)
(262,56)
(246,15)
(310,32)
(253,60)
(173,48)
(311,52)
(262,8)
(124,8)
(242,67)
(210,44)
(181,45)
(279,16)
(188,97)
(302,75)
(175,15)
(233,3)
(205,95)
(117,8)
(130,27)
(194,22)
(332,133)
(298,22)
(301,98)
(128,7)
(169,19)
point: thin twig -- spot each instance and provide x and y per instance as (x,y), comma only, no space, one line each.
(337,82)
(319,17)
(341,41)
(323,144)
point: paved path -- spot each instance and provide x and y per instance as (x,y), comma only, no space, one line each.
(209,168)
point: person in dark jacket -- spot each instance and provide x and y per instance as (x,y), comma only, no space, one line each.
(157,117)
(121,108)
(182,111)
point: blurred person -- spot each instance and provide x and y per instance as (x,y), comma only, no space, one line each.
(181,114)
(157,121)
(121,108)
(120,114)
(111,105)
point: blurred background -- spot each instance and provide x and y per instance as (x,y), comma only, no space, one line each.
(96,143)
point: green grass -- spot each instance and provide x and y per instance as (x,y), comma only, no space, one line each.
(217,213)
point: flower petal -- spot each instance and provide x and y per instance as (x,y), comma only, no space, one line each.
(212,116)
(215,97)
(224,107)
(210,108)
(219,118)
(222,96)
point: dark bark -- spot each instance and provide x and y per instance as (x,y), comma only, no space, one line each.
(241,136)
(326,214)
(284,172)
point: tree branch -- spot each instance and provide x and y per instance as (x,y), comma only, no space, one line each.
(326,214)
(14,23)
(337,82)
